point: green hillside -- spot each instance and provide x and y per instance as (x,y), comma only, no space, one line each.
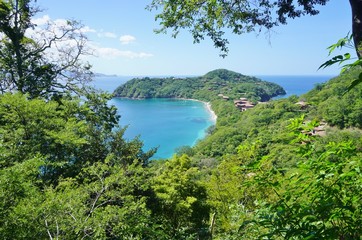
(289,168)
(295,170)
(335,104)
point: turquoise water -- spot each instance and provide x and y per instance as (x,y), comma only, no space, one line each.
(164,123)
(170,123)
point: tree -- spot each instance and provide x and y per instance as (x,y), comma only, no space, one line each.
(20,198)
(69,135)
(356,6)
(321,198)
(211,17)
(105,201)
(67,171)
(39,60)
(180,206)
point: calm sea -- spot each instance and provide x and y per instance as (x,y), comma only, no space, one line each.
(169,123)
(296,85)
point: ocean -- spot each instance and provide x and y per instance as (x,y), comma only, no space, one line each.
(169,123)
(296,85)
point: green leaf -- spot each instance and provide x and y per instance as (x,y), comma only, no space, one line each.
(354,83)
(334,60)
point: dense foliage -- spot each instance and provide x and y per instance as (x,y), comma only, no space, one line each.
(336,102)
(66,173)
(207,87)
(63,168)
(282,181)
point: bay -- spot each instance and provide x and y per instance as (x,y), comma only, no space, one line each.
(170,123)
(163,123)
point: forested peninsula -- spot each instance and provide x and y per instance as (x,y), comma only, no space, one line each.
(207,87)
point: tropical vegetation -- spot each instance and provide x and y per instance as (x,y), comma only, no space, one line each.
(285,169)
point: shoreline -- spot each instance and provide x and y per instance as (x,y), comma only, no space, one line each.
(212,113)
(207,105)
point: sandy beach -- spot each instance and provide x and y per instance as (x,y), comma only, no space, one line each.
(213,116)
(212,113)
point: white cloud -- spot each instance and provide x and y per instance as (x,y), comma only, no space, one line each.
(41,21)
(46,28)
(127,39)
(107,34)
(115,53)
(87,29)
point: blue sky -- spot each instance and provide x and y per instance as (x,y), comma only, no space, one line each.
(121,32)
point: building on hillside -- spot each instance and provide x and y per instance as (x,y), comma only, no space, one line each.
(303,105)
(223,96)
(243,104)
(319,130)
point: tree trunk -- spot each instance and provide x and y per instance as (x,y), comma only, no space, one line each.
(356,6)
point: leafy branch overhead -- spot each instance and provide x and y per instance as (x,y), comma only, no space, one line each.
(342,58)
(211,18)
